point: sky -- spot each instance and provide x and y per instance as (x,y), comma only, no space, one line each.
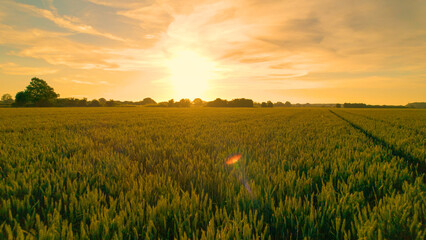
(302,51)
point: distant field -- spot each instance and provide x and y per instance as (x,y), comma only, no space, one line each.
(148,173)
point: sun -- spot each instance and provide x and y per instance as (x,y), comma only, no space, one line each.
(190,73)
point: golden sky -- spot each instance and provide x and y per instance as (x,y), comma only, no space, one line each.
(321,51)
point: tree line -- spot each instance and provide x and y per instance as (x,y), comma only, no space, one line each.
(39,94)
(363,105)
(241,102)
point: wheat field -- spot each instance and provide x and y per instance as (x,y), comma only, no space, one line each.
(149,173)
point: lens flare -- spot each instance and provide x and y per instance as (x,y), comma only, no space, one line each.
(240,174)
(247,186)
(233,159)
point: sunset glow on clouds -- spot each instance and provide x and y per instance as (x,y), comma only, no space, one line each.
(301,51)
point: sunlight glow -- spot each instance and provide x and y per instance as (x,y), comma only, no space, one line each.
(190,73)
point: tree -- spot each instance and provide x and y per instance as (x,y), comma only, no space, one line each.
(198,102)
(263,104)
(183,103)
(21,98)
(240,102)
(147,101)
(338,105)
(110,103)
(417,105)
(354,105)
(66,102)
(94,103)
(218,103)
(171,103)
(279,104)
(82,102)
(287,104)
(40,93)
(270,104)
(6,98)
(102,101)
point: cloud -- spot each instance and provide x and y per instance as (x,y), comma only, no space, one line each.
(253,43)
(153,18)
(82,82)
(66,52)
(55,48)
(58,49)
(124,4)
(13,37)
(309,37)
(89,82)
(14,69)
(223,33)
(68,22)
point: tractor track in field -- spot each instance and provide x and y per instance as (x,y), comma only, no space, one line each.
(413,161)
(416,131)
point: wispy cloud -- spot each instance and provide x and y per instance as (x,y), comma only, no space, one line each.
(125,4)
(68,53)
(15,69)
(89,82)
(68,22)
(82,82)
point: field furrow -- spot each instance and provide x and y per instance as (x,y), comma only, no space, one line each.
(403,142)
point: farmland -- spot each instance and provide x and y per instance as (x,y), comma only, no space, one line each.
(148,173)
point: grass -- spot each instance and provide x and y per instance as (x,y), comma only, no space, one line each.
(148,173)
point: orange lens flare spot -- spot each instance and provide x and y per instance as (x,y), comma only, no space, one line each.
(233,159)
